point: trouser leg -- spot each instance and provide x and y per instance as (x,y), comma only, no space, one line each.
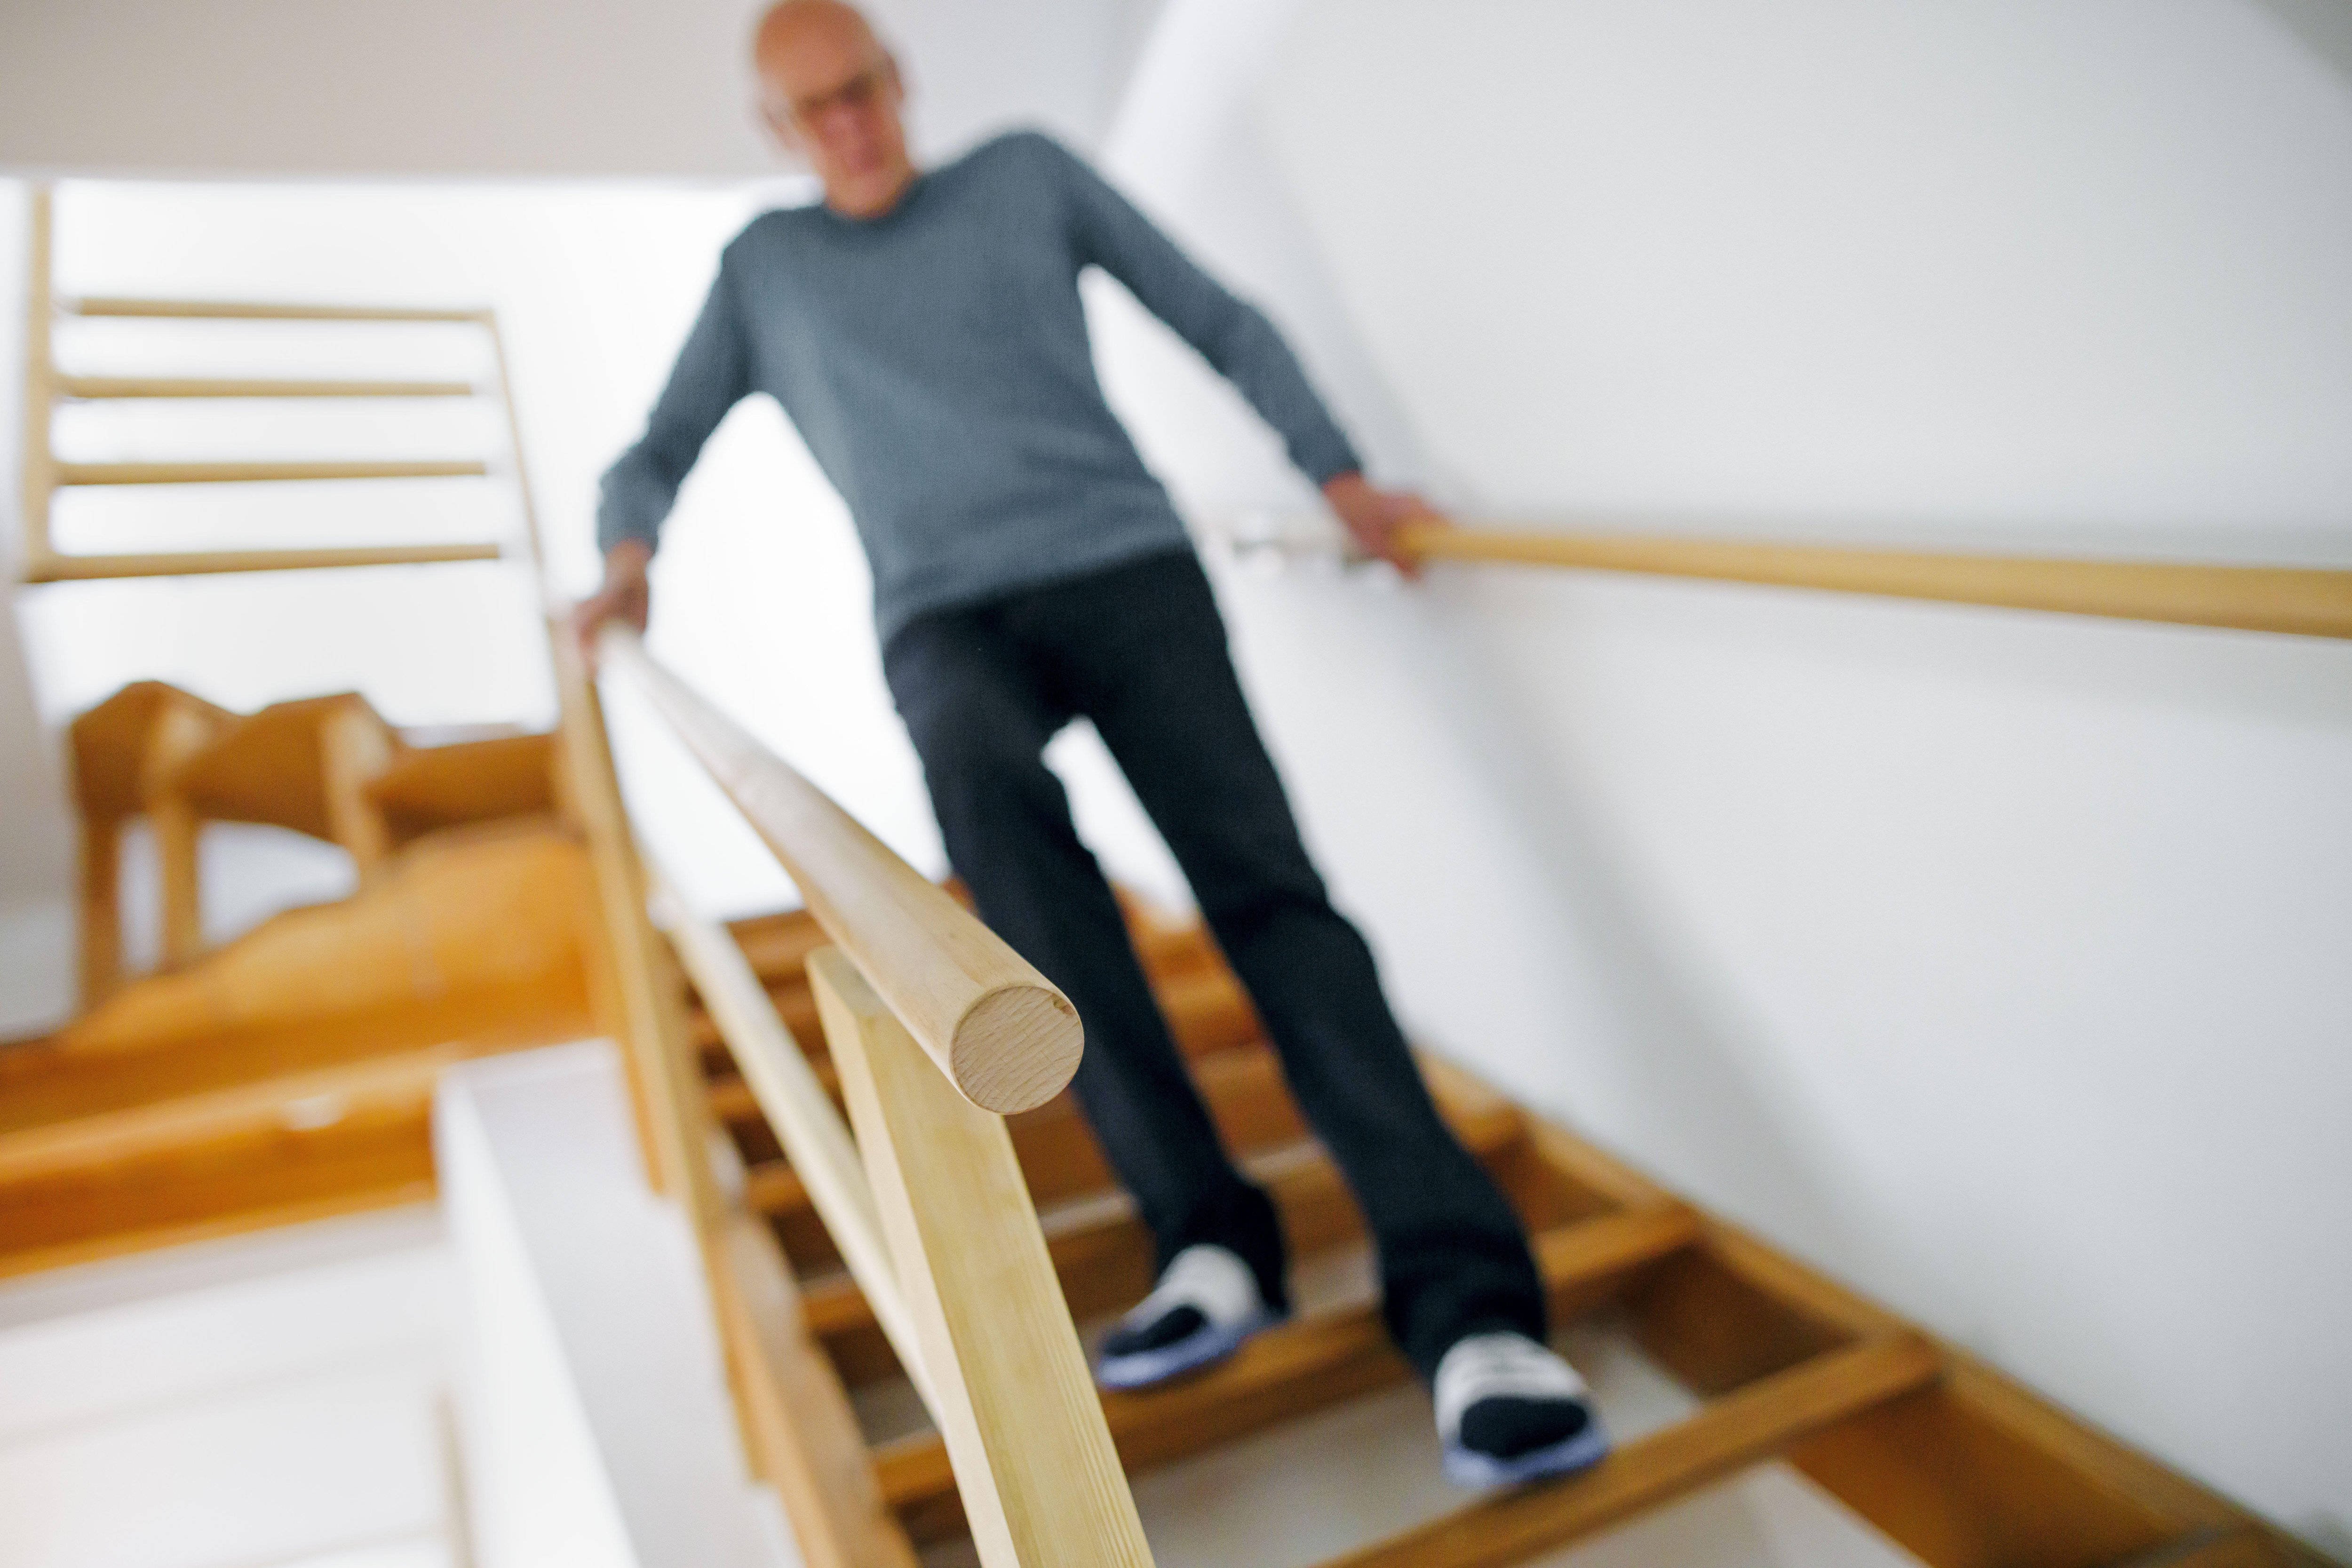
(1453,1257)
(980,719)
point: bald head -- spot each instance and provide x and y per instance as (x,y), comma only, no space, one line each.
(831,93)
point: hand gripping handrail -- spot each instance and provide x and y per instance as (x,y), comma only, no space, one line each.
(2312,601)
(1000,1032)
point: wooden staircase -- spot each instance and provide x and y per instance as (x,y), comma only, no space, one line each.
(1953,1462)
(288,1075)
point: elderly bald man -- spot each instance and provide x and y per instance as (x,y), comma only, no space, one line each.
(922,328)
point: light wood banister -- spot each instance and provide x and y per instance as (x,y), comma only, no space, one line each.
(2312,601)
(38,478)
(55,568)
(1023,1428)
(803,1119)
(1000,1032)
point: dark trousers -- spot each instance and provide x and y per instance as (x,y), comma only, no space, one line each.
(1140,649)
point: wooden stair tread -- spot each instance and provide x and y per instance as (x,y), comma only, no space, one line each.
(1103,1252)
(1741,1428)
(358,1195)
(1059,1155)
(1301,1366)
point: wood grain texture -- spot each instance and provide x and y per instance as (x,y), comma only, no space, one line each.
(1039,1478)
(999,1031)
(2309,602)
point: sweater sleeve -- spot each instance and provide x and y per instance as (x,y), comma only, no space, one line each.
(712,375)
(1231,334)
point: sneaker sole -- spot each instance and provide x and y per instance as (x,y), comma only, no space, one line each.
(1141,1369)
(1469,1467)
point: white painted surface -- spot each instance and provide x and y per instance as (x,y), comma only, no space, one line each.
(1991,959)
(272,1399)
(599,1428)
(501,88)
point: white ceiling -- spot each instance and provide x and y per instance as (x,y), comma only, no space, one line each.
(586,88)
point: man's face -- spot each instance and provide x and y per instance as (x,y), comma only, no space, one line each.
(830,93)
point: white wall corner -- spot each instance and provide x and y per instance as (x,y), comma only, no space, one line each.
(598,1426)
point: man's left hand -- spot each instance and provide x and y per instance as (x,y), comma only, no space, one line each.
(1374,516)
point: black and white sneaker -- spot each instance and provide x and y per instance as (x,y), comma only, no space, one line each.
(1508,1410)
(1206,1304)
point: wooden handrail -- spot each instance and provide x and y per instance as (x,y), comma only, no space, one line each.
(104,387)
(999,1031)
(1022,1425)
(803,1119)
(55,568)
(262,473)
(263,311)
(2311,602)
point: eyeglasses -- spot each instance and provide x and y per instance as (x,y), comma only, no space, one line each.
(861,91)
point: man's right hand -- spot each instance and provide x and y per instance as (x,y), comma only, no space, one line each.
(626,596)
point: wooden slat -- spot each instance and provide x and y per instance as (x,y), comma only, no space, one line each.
(1003,1035)
(260,311)
(824,1160)
(1302,1367)
(1039,1478)
(98,909)
(1736,1431)
(1060,1157)
(37,465)
(798,1421)
(2314,603)
(99,1143)
(375,1145)
(97,387)
(57,568)
(261,473)
(396,1188)
(1103,1253)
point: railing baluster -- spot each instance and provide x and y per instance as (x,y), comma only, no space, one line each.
(1025,1429)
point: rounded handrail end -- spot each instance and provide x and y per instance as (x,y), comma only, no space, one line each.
(1015,1048)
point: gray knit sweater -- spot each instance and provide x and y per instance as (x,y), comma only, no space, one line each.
(937,363)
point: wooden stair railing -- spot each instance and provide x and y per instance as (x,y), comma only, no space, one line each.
(937,1028)
(46,388)
(329,767)
(1953,1463)
(2311,602)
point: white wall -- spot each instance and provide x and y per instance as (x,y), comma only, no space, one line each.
(599,1427)
(1994,961)
(279,1398)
